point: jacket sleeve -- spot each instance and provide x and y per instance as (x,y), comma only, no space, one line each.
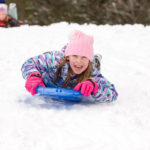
(43,63)
(106,91)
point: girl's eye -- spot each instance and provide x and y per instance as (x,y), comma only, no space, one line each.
(75,56)
(83,57)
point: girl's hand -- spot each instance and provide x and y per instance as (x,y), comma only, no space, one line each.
(34,80)
(87,87)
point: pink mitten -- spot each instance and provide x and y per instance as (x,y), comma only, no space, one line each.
(34,80)
(87,87)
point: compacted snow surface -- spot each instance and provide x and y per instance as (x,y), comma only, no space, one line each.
(30,123)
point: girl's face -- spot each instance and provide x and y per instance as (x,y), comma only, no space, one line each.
(78,64)
(2,16)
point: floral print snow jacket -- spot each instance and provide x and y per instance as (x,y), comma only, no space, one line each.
(48,63)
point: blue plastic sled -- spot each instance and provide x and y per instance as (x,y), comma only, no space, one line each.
(60,93)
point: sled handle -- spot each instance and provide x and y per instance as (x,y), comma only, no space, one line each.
(59,93)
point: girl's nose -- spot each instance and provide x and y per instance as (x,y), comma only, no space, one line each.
(79,59)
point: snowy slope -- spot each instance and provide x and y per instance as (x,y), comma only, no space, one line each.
(28,123)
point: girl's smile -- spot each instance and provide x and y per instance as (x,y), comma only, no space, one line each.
(77,68)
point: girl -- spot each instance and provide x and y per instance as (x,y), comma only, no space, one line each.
(6,20)
(73,68)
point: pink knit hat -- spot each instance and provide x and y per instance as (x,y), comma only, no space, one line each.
(3,8)
(80,44)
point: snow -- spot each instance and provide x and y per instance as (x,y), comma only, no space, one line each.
(29,123)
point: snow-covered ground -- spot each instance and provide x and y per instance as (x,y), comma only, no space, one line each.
(28,123)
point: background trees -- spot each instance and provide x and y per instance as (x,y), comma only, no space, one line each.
(44,12)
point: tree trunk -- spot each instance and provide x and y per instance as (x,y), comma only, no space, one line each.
(20,8)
